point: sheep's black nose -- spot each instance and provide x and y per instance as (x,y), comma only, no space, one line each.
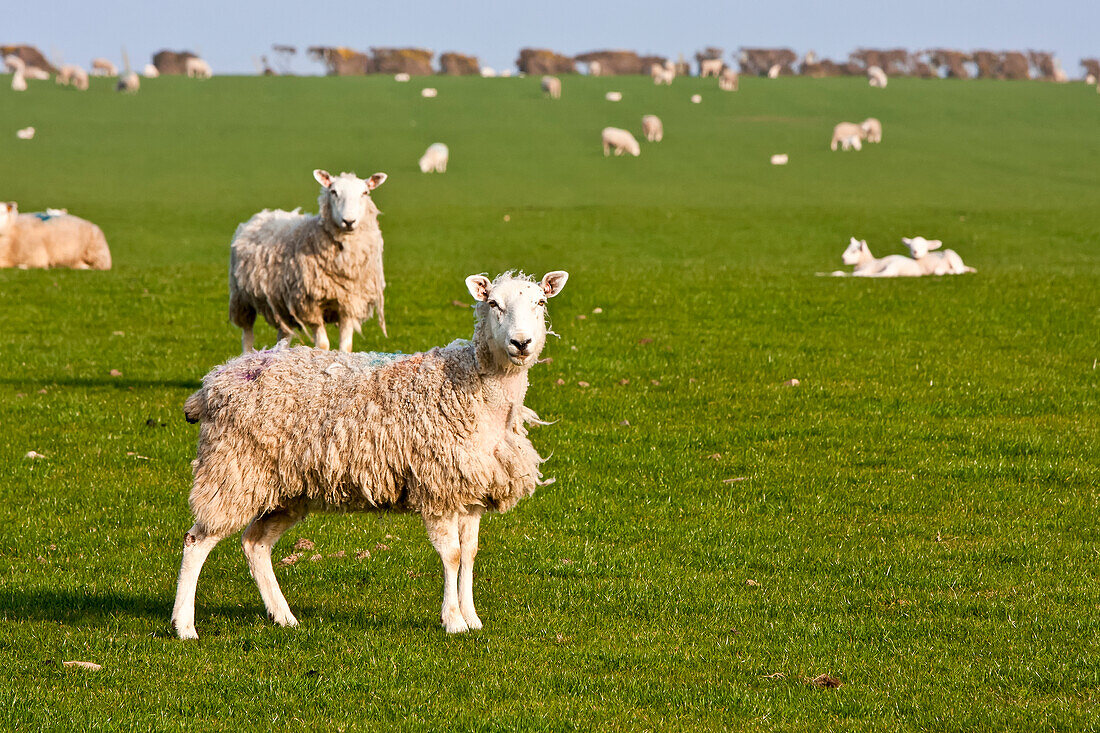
(521,346)
(348,223)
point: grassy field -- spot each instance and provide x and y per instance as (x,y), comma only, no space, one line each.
(918,519)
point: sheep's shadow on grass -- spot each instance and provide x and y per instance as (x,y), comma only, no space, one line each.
(68,606)
(118,383)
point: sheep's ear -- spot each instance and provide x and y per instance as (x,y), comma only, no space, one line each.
(376,180)
(934,244)
(553,282)
(323,177)
(853,240)
(907,240)
(479,286)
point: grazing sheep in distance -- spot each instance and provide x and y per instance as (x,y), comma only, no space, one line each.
(488,72)
(25,133)
(103,67)
(301,271)
(150,71)
(663,74)
(946,262)
(872,130)
(129,82)
(619,140)
(198,68)
(849,135)
(696,98)
(729,80)
(18,80)
(429,92)
(710,67)
(401,76)
(45,240)
(442,434)
(774,71)
(652,128)
(73,75)
(876,77)
(613,96)
(435,158)
(552,86)
(866,265)
(779,159)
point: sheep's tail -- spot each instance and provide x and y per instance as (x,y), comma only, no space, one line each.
(195,408)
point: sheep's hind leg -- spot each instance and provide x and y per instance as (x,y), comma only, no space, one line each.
(257,543)
(197,545)
(347,331)
(320,337)
(444,534)
(468,525)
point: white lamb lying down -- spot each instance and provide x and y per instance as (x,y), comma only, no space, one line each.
(401,76)
(866,265)
(617,139)
(429,92)
(441,433)
(25,134)
(946,262)
(613,96)
(780,159)
(435,158)
(696,98)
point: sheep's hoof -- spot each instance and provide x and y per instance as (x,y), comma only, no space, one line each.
(454,623)
(286,619)
(187,633)
(472,621)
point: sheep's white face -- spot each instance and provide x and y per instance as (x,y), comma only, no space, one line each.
(854,252)
(348,197)
(919,246)
(8,212)
(516,317)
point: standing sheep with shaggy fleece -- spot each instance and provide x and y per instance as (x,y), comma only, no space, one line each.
(302,271)
(197,68)
(872,130)
(442,434)
(946,262)
(617,139)
(51,240)
(103,67)
(652,128)
(552,86)
(866,265)
(72,75)
(848,135)
(435,158)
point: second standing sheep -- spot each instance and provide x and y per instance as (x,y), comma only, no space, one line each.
(302,271)
(617,139)
(435,158)
(652,128)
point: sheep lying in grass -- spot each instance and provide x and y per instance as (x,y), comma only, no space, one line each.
(866,265)
(552,86)
(73,75)
(617,139)
(876,77)
(442,433)
(848,135)
(728,81)
(401,76)
(150,71)
(946,262)
(435,158)
(48,240)
(25,133)
(652,128)
(301,271)
(429,93)
(872,130)
(613,96)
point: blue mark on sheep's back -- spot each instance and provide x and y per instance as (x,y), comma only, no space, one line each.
(376,359)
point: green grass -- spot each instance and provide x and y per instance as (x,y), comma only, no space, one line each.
(919,516)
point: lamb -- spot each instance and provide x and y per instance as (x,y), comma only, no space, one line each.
(150,71)
(301,271)
(18,78)
(774,71)
(429,92)
(73,75)
(849,135)
(652,128)
(129,82)
(440,433)
(711,67)
(618,139)
(552,86)
(613,96)
(25,133)
(866,265)
(103,67)
(663,74)
(197,68)
(435,158)
(872,130)
(401,76)
(488,72)
(696,98)
(946,262)
(45,240)
(876,77)
(780,159)
(729,80)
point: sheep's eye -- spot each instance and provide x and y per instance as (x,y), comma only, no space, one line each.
(334,192)
(494,304)
(543,302)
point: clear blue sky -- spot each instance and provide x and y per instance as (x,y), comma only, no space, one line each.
(231,34)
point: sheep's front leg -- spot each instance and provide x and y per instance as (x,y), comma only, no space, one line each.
(347,330)
(248,338)
(197,544)
(444,534)
(468,525)
(320,337)
(257,542)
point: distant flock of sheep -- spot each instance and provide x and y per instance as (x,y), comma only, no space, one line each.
(74,76)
